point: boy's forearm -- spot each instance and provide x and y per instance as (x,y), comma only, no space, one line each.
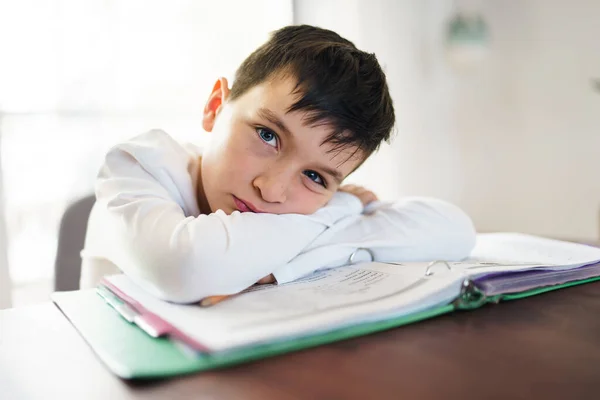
(424,229)
(412,229)
(208,255)
(185,259)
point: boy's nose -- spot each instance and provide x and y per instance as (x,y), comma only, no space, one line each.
(273,185)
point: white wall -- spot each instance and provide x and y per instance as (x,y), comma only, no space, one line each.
(515,142)
(5,298)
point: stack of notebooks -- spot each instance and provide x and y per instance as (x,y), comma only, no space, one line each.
(139,336)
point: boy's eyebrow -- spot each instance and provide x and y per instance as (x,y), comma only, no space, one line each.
(335,174)
(275,120)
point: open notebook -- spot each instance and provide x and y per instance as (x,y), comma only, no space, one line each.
(354,300)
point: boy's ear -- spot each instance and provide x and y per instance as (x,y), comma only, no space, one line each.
(217,98)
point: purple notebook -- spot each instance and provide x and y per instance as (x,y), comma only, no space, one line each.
(514,282)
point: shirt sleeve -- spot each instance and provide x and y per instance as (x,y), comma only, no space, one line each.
(184,258)
(412,229)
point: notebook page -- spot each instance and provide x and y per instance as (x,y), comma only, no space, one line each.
(517,248)
(320,302)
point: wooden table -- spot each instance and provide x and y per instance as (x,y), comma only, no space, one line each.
(547,346)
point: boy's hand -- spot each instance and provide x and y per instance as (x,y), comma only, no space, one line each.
(212,300)
(365,195)
(267,279)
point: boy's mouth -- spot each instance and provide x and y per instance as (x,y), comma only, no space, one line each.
(245,206)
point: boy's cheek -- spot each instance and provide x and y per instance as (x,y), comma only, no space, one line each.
(241,167)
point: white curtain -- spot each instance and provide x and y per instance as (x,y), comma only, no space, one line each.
(77,76)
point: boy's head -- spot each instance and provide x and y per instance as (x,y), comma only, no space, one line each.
(305,110)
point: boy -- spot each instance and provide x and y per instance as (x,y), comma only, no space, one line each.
(263,202)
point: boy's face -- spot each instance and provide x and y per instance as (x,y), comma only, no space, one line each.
(261,158)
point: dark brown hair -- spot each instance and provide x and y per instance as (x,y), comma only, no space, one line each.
(338,84)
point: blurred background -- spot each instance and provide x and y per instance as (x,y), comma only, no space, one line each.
(497,102)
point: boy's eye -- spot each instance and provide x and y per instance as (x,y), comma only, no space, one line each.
(267,136)
(315,177)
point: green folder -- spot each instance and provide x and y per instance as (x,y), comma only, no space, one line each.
(130,353)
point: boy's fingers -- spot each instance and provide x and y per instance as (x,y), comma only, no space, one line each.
(366,196)
(212,300)
(369,197)
(354,189)
(347,188)
(267,279)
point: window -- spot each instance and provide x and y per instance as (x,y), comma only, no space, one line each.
(76,77)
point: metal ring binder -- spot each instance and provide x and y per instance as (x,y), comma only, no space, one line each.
(429,272)
(351,259)
(470,296)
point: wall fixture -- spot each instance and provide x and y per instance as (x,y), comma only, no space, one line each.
(467,39)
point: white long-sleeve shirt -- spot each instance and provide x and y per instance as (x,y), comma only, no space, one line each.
(146,223)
